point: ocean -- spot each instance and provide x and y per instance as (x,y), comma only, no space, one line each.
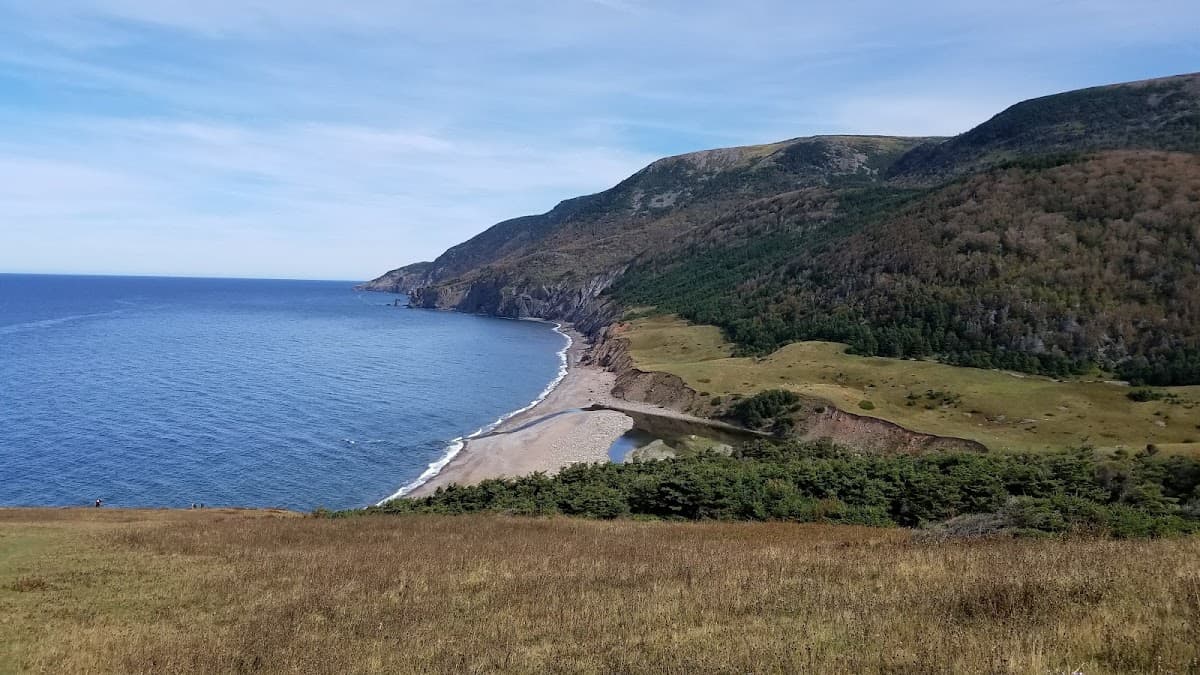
(231,392)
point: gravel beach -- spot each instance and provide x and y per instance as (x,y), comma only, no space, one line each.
(553,434)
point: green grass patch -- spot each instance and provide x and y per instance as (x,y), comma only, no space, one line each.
(1003,410)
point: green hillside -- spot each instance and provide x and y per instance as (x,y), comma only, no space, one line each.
(1060,237)
(1048,269)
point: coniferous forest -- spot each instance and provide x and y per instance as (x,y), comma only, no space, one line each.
(1052,266)
(1141,495)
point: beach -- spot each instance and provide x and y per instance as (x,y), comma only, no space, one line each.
(552,434)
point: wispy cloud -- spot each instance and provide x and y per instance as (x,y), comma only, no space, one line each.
(308,138)
(293,183)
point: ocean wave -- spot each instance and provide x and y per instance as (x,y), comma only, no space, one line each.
(48,323)
(456,445)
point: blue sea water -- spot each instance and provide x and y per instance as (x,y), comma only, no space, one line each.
(170,391)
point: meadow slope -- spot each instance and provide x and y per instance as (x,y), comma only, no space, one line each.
(1003,410)
(224,591)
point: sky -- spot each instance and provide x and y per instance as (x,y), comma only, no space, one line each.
(337,140)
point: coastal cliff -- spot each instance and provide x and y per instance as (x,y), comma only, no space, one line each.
(871,434)
(579,303)
(611,352)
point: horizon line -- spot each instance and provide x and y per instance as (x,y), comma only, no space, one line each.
(117,275)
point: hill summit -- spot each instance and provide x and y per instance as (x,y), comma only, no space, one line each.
(1059,236)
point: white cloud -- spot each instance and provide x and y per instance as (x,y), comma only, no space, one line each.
(403,194)
(340,139)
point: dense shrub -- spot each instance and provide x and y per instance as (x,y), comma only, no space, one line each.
(1138,496)
(763,407)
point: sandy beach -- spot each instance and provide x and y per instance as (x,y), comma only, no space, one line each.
(553,434)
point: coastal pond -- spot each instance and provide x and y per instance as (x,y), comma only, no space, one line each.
(656,436)
(629,442)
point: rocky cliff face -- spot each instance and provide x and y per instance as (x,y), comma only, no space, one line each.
(611,352)
(871,434)
(577,302)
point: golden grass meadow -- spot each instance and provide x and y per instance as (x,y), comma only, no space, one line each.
(248,591)
(1004,411)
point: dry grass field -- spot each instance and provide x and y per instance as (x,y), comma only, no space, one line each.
(222,591)
(1004,411)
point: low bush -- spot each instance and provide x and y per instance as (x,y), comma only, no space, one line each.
(1145,495)
(763,408)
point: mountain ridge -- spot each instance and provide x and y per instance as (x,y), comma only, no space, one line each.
(1154,114)
(536,266)
(781,211)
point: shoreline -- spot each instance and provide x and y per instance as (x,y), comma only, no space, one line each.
(547,435)
(457,445)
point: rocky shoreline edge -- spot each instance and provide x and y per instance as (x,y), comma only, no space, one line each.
(590,406)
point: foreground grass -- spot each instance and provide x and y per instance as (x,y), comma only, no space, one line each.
(222,591)
(1004,411)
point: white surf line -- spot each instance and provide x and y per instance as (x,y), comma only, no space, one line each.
(456,446)
(15,328)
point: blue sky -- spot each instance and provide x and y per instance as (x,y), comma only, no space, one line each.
(315,139)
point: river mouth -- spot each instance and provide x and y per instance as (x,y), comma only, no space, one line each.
(629,442)
(656,436)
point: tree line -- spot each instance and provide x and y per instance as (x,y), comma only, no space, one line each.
(1124,495)
(1052,268)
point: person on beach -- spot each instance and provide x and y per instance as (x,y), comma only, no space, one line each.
(99,503)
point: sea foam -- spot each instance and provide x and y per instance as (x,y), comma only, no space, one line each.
(456,445)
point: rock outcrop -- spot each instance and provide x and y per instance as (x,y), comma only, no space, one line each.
(579,303)
(875,435)
(402,280)
(634,384)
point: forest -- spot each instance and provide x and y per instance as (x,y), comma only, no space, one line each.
(1053,266)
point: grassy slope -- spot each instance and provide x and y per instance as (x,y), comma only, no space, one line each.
(117,591)
(1015,412)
